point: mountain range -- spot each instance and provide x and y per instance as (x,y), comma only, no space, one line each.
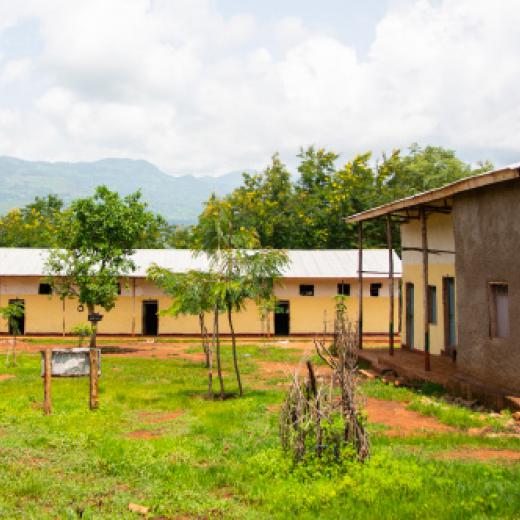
(178,199)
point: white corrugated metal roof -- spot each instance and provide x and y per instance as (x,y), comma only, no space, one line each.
(338,263)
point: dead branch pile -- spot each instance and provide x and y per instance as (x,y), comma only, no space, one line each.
(326,418)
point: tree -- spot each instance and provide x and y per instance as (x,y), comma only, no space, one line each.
(34,225)
(243,272)
(309,212)
(97,237)
(192,293)
(263,203)
(12,313)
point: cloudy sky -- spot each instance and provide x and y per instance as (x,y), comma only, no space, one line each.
(211,86)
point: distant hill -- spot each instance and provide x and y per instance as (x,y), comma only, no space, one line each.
(178,199)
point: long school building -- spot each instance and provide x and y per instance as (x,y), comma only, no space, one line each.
(305,293)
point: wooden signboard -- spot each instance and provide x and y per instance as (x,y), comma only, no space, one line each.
(69,362)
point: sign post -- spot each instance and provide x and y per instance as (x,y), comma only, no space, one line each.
(94,318)
(67,362)
(47,379)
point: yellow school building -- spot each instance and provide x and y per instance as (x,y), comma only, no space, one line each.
(306,295)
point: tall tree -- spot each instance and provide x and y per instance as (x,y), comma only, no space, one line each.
(244,272)
(263,203)
(97,237)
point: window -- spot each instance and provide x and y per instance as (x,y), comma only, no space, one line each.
(432,304)
(119,289)
(344,289)
(499,310)
(375,288)
(45,288)
(306,290)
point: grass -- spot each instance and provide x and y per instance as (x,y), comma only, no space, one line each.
(220,459)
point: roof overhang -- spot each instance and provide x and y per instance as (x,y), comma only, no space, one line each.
(439,194)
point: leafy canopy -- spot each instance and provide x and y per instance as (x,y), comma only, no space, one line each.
(98,235)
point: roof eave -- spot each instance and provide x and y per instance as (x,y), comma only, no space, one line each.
(448,191)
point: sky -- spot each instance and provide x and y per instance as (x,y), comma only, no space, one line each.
(212,86)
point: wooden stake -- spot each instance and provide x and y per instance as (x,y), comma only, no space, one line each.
(133,307)
(360,282)
(390,282)
(93,358)
(94,400)
(47,378)
(426,302)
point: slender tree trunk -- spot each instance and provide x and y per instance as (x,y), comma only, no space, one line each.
(94,401)
(216,339)
(209,354)
(234,347)
(203,337)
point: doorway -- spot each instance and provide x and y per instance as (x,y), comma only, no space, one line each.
(19,320)
(150,318)
(281,319)
(410,316)
(450,327)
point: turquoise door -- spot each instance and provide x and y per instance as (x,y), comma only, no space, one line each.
(450,326)
(410,315)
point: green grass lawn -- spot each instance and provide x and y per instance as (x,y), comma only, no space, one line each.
(220,459)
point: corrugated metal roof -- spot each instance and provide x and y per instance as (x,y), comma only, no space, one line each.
(338,263)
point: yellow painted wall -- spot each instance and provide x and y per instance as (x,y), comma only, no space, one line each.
(308,314)
(440,236)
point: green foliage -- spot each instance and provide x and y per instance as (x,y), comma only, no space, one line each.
(97,237)
(12,312)
(82,330)
(34,225)
(191,292)
(309,212)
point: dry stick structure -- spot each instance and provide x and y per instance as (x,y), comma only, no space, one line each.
(311,409)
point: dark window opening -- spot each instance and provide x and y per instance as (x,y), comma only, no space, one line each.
(499,310)
(306,290)
(375,288)
(344,289)
(119,289)
(432,304)
(45,288)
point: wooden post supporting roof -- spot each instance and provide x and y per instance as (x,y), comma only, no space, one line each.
(426,299)
(360,283)
(390,282)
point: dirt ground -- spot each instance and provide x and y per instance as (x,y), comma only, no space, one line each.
(482,454)
(400,421)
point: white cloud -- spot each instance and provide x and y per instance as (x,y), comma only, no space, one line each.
(175,82)
(15,70)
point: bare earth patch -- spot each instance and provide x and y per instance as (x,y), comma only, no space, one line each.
(159,417)
(482,454)
(402,422)
(144,435)
(5,377)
